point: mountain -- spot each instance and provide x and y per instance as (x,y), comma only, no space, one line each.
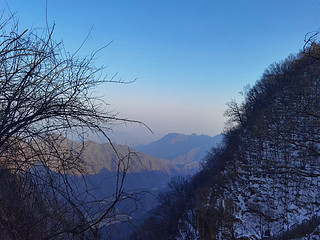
(105,155)
(144,172)
(185,151)
(263,182)
(145,178)
(104,165)
(150,169)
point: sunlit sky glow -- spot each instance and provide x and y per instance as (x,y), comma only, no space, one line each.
(189,57)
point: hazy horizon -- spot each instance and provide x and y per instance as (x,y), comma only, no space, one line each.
(189,57)
(133,137)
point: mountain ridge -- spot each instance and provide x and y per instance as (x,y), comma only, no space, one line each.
(106,155)
(263,181)
(186,151)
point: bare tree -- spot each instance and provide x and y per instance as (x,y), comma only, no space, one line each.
(46,98)
(311,44)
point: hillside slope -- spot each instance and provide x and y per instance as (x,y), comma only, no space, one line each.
(263,183)
(271,175)
(143,172)
(106,155)
(185,151)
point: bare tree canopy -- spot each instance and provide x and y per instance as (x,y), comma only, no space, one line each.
(45,97)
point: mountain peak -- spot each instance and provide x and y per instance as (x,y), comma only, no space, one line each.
(180,148)
(178,138)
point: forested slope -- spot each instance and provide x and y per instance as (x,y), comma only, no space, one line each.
(263,181)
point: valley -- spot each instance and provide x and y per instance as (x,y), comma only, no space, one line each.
(148,169)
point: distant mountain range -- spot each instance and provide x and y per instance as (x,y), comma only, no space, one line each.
(100,156)
(173,154)
(150,168)
(184,151)
(144,171)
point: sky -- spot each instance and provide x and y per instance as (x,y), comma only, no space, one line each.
(189,57)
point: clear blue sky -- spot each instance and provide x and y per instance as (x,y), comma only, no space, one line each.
(190,57)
